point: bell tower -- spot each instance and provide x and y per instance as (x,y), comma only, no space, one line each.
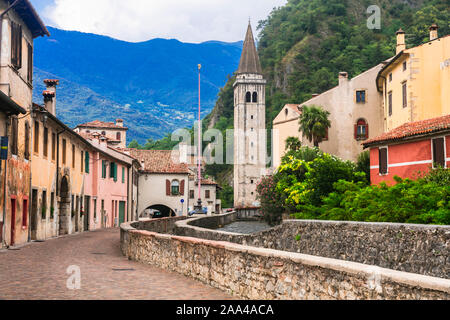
(249,125)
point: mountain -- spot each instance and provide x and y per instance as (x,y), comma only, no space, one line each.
(152,85)
(304,44)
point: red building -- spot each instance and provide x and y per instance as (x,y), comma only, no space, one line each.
(410,148)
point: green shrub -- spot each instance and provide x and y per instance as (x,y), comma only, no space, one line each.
(271,201)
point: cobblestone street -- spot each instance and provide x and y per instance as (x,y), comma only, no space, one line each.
(38,271)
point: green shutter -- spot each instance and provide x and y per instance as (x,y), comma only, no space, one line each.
(123,175)
(86,159)
(103,169)
(111,170)
(115,172)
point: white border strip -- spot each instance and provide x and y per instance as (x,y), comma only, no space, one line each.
(404,164)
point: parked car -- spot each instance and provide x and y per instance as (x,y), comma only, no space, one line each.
(204,211)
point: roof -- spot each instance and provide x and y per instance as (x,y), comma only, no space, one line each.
(101,125)
(249,60)
(159,161)
(294,107)
(412,129)
(207,182)
(26,11)
(8,105)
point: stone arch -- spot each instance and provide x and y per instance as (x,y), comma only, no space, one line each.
(255,97)
(166,211)
(64,206)
(248,97)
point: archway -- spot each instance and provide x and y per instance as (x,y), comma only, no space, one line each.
(64,206)
(165,211)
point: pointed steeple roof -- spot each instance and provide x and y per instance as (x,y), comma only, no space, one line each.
(249,59)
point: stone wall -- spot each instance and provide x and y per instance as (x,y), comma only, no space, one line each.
(259,273)
(418,249)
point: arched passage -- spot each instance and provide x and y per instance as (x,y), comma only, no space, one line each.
(164,210)
(64,206)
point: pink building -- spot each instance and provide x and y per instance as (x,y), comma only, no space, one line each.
(409,149)
(109,185)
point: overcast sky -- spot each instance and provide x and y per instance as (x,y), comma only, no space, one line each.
(140,20)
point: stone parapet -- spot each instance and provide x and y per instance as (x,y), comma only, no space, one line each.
(259,273)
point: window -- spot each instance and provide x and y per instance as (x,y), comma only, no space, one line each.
(390,103)
(118,136)
(404,94)
(52,205)
(95,209)
(404,66)
(104,168)
(64,154)
(252,117)
(27,141)
(123,174)
(390,77)
(383,158)
(248,97)
(45,142)
(25,213)
(255,97)
(438,153)
(113,171)
(361,96)
(207,194)
(16,45)
(30,64)
(44,205)
(36,137)
(191,194)
(82,161)
(361,130)
(73,156)
(53,146)
(175,187)
(286,112)
(86,159)
(14,136)
(103,133)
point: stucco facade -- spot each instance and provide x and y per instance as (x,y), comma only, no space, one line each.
(415,84)
(20,25)
(346,112)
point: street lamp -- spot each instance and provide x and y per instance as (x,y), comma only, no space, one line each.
(199,208)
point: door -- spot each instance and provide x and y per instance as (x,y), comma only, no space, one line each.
(87,213)
(13,222)
(34,213)
(122,205)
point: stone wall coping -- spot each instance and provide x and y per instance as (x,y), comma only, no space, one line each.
(410,279)
(375,224)
(186,224)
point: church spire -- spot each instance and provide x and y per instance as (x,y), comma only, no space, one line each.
(249,59)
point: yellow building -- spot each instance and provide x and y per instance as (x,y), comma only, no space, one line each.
(416,83)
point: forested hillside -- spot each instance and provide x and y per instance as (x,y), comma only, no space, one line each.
(306,43)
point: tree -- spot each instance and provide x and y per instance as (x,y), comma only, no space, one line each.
(314,123)
(293,144)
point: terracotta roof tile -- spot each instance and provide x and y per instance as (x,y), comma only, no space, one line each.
(101,125)
(412,129)
(159,161)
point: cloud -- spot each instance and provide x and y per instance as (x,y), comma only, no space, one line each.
(140,20)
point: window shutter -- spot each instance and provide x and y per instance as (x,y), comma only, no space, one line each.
(167,187)
(182,187)
(27,141)
(115,172)
(438,152)
(86,159)
(383,161)
(19,46)
(367,131)
(30,63)
(356,131)
(123,175)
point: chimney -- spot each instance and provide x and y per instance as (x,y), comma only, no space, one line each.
(103,142)
(434,32)
(401,44)
(343,77)
(50,95)
(119,122)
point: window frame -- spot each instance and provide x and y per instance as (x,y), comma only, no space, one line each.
(173,187)
(444,150)
(359,97)
(405,94)
(387,161)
